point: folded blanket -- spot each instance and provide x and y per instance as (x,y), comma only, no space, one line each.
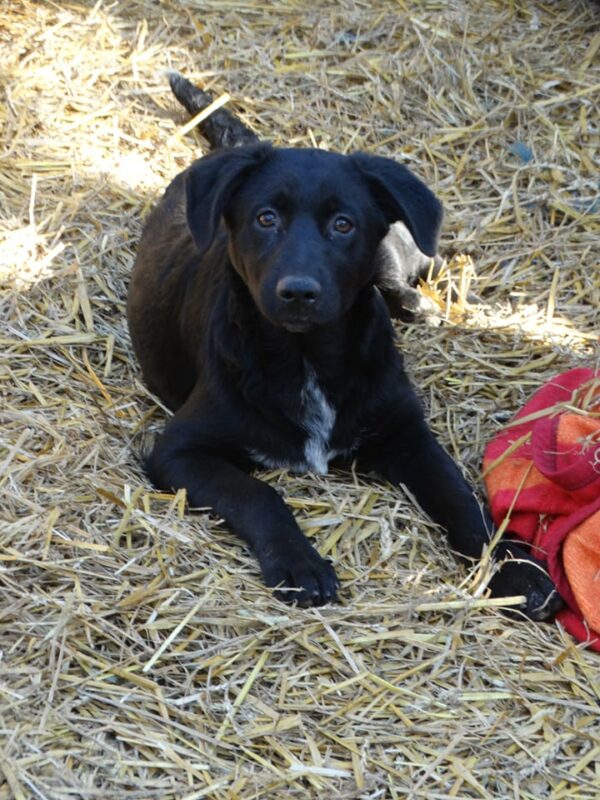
(543,472)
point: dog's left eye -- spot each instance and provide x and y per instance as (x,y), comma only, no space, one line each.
(343,225)
(266,219)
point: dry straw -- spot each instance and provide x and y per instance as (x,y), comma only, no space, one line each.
(140,655)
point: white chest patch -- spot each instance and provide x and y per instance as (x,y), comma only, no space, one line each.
(318,421)
(317,418)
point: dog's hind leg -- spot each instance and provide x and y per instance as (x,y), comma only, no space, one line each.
(400,267)
(221,128)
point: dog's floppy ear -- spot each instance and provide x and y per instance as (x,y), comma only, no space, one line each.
(402,196)
(211,182)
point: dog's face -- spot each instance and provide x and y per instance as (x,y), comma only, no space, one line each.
(304,225)
(303,230)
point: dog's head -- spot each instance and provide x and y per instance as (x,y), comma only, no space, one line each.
(304,225)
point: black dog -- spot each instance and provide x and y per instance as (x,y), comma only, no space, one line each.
(254,313)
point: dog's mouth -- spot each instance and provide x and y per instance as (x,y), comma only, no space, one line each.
(299,318)
(291,321)
(296,321)
(297,325)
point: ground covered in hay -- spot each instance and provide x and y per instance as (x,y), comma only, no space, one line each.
(140,656)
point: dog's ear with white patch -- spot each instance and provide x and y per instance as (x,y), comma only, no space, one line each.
(402,196)
(211,182)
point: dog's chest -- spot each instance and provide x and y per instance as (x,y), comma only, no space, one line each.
(317,418)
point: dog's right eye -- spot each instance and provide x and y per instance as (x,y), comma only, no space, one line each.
(266,219)
(343,225)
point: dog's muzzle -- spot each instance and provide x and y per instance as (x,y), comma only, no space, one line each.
(298,299)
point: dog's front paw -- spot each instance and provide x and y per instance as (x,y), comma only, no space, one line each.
(299,575)
(521,574)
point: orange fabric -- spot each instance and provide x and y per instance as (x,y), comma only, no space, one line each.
(581,556)
(543,471)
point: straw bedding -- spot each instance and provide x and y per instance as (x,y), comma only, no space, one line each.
(140,656)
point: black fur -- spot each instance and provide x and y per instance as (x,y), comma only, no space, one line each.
(254,313)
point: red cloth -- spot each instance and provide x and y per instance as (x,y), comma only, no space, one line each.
(543,472)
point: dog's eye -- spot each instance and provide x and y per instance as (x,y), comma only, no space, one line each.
(343,225)
(266,219)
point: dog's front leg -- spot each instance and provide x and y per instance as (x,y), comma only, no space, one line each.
(252,509)
(404,451)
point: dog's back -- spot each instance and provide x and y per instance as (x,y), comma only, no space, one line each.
(164,247)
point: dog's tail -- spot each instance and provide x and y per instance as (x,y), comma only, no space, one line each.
(221,128)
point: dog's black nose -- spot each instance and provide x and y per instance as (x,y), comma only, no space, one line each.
(298,288)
